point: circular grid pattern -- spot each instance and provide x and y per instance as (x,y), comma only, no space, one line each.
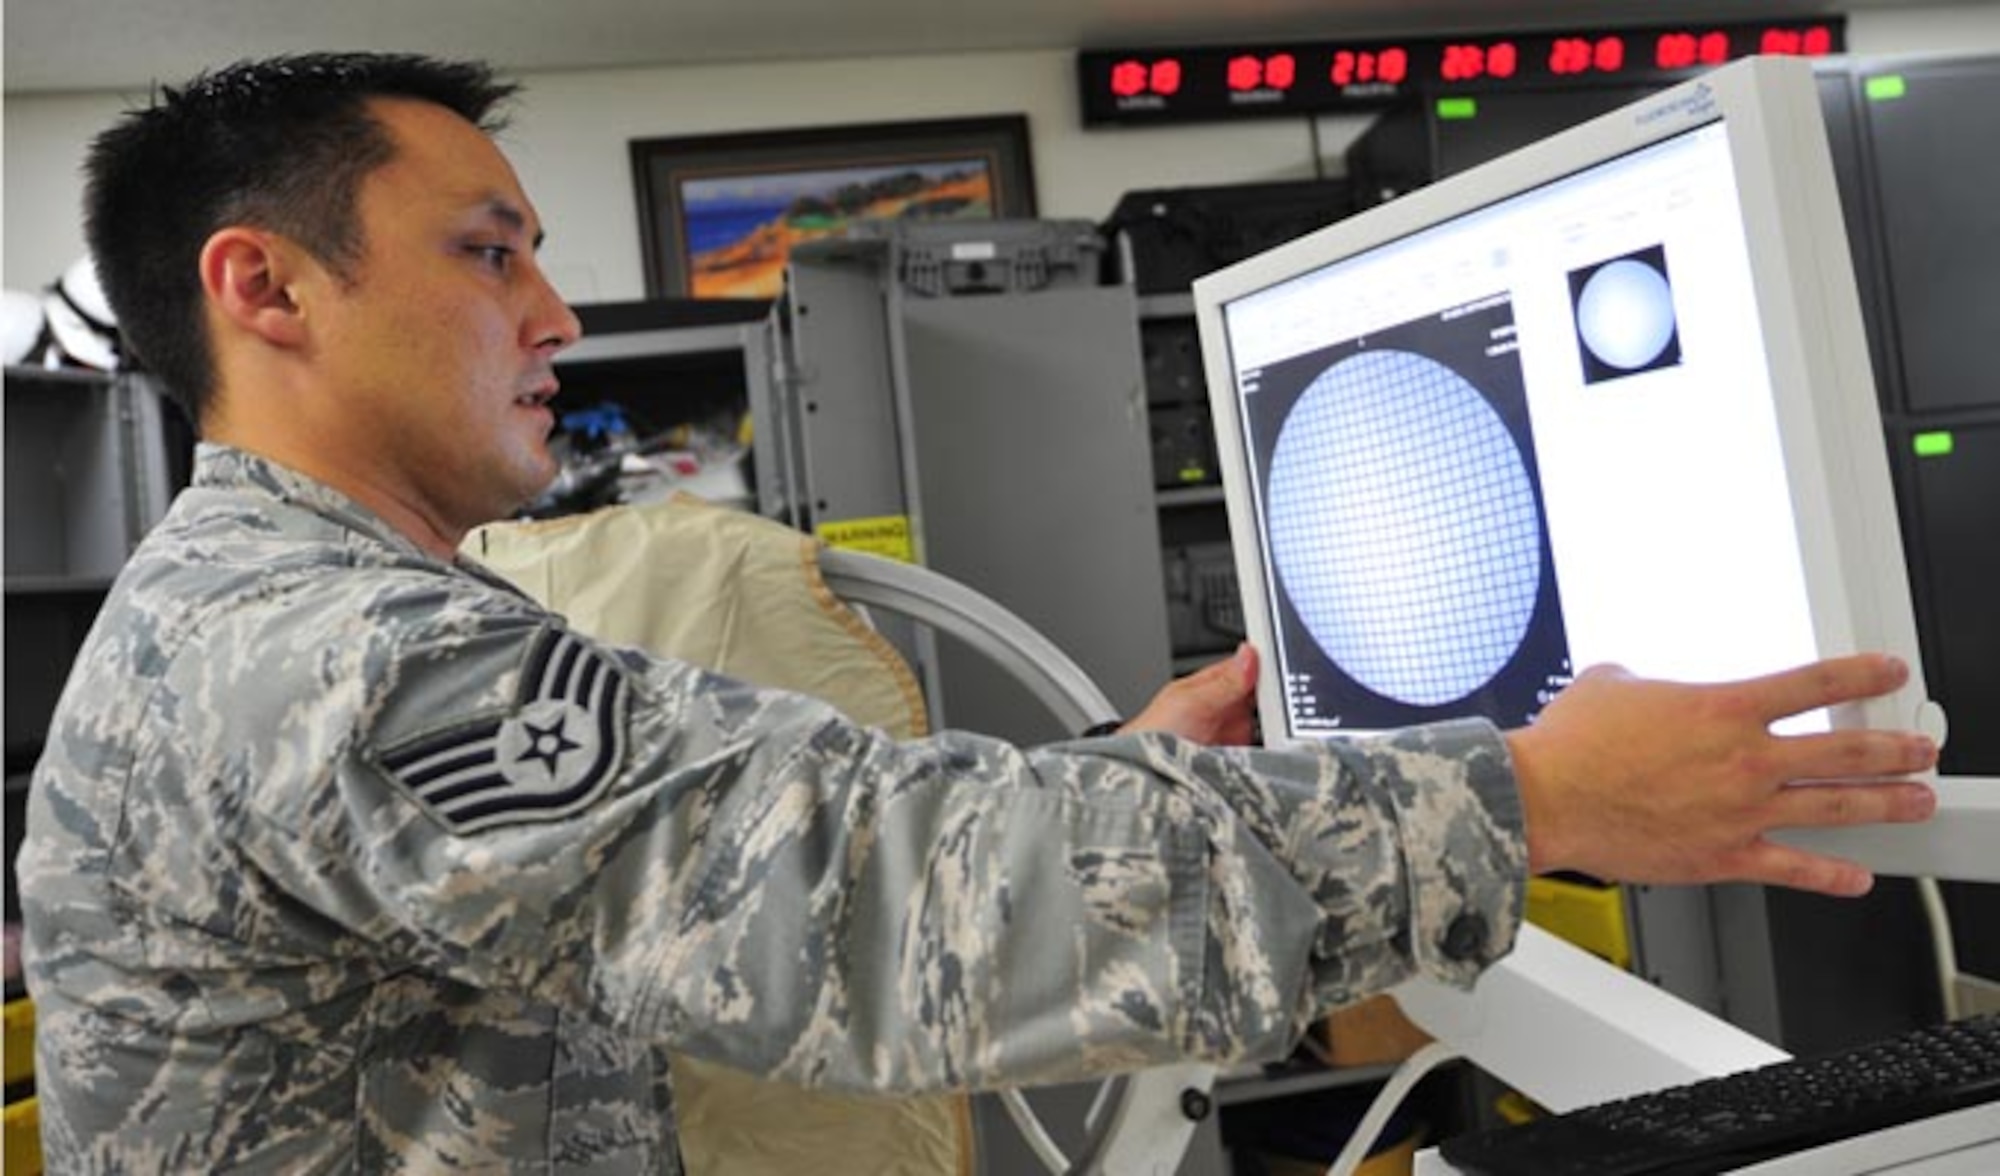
(1404,527)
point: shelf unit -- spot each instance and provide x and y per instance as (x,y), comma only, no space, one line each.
(91,462)
(1203,619)
(669,367)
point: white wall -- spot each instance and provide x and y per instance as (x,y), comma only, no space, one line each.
(570,133)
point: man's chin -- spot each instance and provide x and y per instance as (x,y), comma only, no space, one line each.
(538,487)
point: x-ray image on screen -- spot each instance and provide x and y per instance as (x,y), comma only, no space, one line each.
(1625,321)
(1411,566)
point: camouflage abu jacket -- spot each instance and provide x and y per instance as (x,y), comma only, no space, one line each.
(341,858)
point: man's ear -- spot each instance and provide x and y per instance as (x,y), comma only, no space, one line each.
(249,276)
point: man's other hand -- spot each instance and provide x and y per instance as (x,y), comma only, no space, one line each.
(1216,704)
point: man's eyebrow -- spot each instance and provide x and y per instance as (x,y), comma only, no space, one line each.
(513,218)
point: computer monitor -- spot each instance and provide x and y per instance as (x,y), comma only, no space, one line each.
(1605,399)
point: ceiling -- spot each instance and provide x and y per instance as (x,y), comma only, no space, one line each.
(54,45)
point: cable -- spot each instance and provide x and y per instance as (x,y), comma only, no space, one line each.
(1391,1096)
(1943,948)
(1033,1132)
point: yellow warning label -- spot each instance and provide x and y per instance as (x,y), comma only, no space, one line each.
(887,536)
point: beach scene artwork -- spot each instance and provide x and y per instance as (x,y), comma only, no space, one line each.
(737,230)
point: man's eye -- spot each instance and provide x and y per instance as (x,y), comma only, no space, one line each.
(495,256)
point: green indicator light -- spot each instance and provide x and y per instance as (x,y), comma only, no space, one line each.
(1458,108)
(1885,88)
(1932,444)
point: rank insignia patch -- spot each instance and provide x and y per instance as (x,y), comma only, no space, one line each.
(552,755)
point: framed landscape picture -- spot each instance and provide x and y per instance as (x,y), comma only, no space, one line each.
(719,214)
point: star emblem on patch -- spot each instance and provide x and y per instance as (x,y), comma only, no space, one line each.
(546,743)
(552,754)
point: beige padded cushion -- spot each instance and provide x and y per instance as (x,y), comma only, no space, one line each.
(728,591)
(743,596)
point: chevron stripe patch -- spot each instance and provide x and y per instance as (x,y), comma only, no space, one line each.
(552,755)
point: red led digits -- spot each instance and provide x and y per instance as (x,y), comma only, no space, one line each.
(1129,79)
(1462,63)
(1674,51)
(1686,50)
(1813,42)
(1581,55)
(1272,78)
(1358,68)
(1276,72)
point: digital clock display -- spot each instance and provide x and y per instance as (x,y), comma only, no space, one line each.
(1214,82)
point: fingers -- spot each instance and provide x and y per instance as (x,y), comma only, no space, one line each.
(1227,681)
(1244,666)
(1854,754)
(1808,805)
(1215,704)
(1830,805)
(1228,692)
(1824,683)
(1240,670)
(1782,865)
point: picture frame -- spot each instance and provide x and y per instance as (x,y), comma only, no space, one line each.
(718,214)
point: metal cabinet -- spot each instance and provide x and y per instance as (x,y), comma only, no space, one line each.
(976,389)
(91,462)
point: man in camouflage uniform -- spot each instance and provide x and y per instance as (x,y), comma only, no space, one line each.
(345,856)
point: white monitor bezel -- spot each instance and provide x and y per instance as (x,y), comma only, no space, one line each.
(1816,343)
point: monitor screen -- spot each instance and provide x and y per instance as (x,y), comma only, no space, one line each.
(1606,399)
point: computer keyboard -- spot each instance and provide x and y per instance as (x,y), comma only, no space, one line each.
(1723,1123)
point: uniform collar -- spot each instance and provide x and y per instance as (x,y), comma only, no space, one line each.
(224,467)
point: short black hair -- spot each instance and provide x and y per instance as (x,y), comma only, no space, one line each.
(281,143)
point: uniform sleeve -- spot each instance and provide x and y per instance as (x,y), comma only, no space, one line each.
(749,878)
